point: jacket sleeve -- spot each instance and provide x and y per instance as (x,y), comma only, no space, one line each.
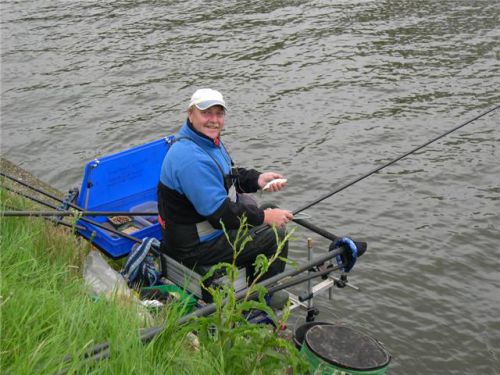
(248,180)
(230,213)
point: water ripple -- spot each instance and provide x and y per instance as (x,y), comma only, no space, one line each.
(322,91)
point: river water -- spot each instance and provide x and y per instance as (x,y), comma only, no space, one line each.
(322,91)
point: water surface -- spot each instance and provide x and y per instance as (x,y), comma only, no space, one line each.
(321,91)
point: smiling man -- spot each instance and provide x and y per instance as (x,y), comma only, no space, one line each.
(200,188)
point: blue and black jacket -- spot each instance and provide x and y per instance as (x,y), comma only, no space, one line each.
(199,189)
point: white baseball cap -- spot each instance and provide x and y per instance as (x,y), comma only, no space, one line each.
(206,98)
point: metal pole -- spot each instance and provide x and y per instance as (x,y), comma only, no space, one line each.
(309,282)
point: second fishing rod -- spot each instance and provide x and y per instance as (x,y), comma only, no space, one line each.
(101,351)
(278,282)
(395,160)
(361,245)
(305,223)
(314,262)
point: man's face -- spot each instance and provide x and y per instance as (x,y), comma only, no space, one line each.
(209,122)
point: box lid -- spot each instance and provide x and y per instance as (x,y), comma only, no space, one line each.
(119,176)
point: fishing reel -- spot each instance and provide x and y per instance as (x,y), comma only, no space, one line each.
(345,261)
(66,203)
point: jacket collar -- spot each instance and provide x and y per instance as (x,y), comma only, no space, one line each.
(188,130)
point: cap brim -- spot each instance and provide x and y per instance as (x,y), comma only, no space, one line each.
(210,103)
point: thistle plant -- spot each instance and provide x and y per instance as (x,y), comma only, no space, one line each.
(233,343)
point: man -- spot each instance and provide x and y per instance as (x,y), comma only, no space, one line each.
(200,189)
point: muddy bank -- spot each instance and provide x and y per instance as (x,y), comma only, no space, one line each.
(11,169)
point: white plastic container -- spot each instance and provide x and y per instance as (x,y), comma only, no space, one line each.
(149,206)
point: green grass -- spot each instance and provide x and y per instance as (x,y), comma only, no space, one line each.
(47,314)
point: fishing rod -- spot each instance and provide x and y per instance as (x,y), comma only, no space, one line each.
(79,213)
(305,207)
(360,244)
(348,184)
(303,222)
(94,223)
(79,227)
(149,334)
(47,217)
(43,192)
(34,199)
(101,351)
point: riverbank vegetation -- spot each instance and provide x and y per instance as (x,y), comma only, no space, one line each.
(49,320)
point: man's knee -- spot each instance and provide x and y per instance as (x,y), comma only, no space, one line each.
(268,239)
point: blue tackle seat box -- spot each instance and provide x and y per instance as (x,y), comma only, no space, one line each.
(125,181)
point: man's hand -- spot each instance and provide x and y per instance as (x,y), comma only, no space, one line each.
(266,177)
(277,216)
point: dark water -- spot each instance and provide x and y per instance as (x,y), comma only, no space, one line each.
(322,91)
